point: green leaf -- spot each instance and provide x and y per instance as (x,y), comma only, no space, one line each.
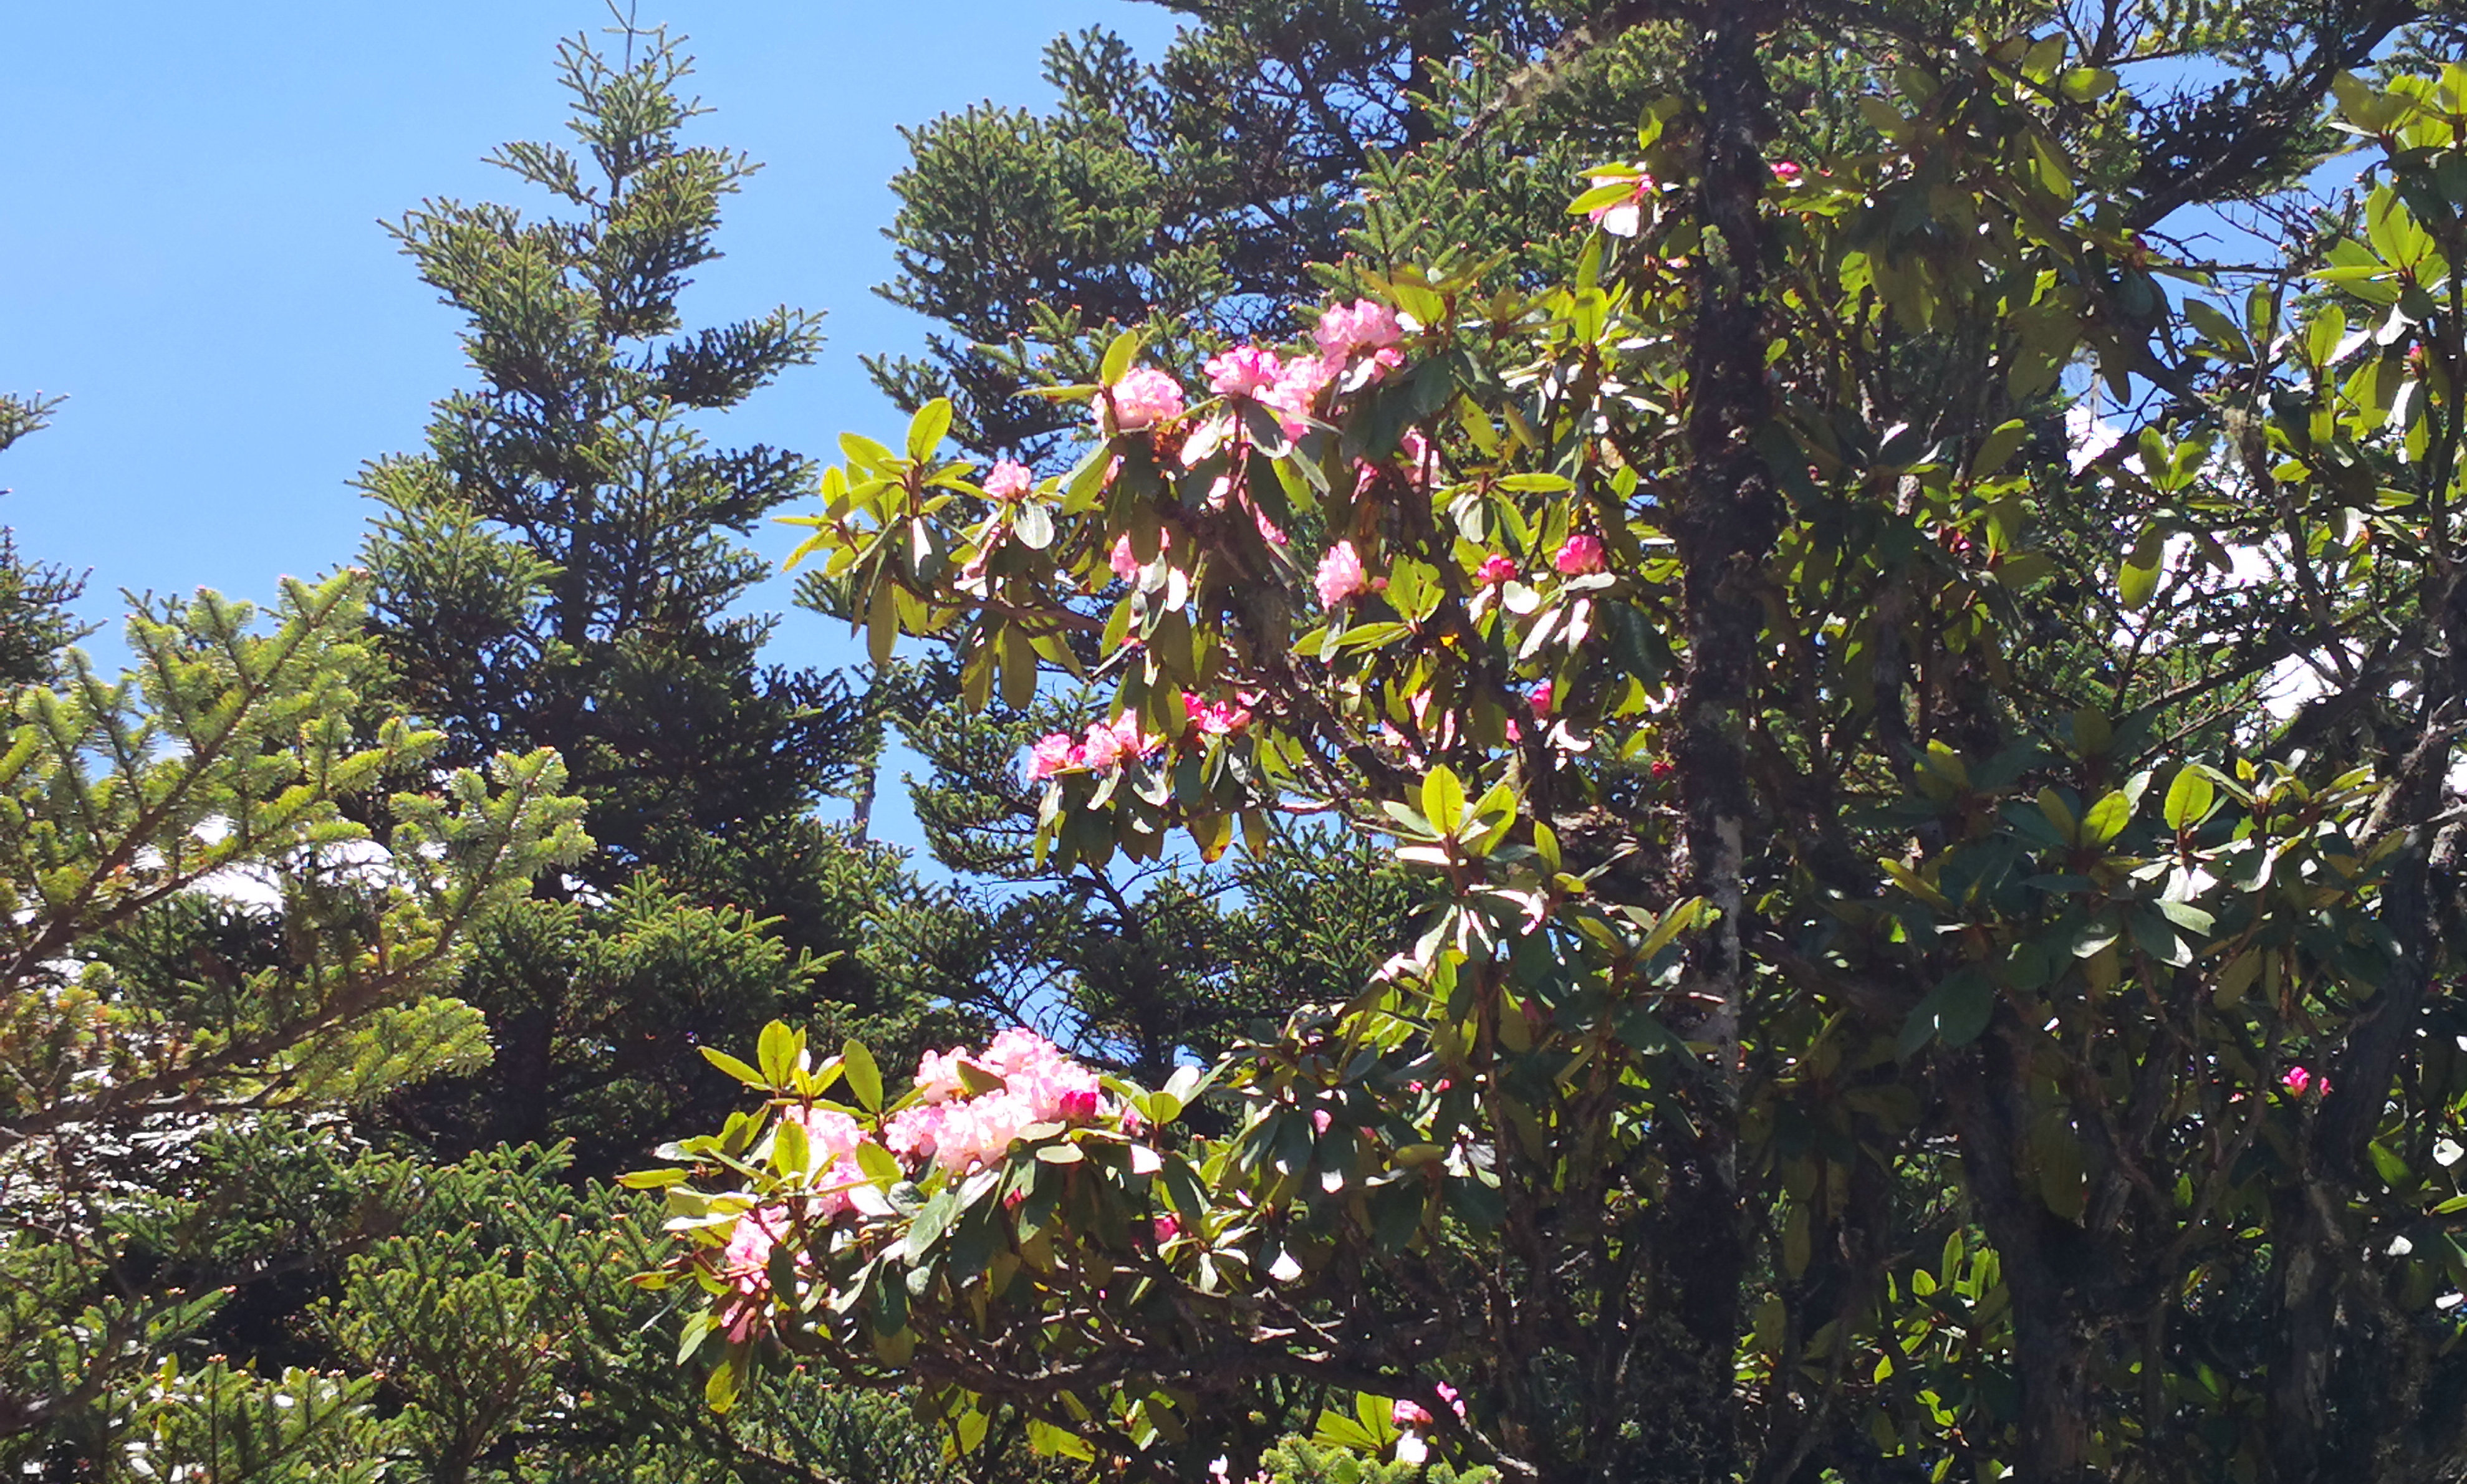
(2190,798)
(2188,916)
(2086,84)
(1999,446)
(882,623)
(2217,328)
(1443,800)
(1956,1012)
(926,430)
(864,1077)
(791,1152)
(1118,356)
(777,1052)
(2137,579)
(2107,819)
(735,1068)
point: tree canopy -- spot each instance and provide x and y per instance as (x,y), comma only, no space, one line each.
(1937,946)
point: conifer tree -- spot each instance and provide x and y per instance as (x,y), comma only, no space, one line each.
(558,567)
(206,969)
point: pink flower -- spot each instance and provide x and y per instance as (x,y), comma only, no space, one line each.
(1297,392)
(1216,718)
(1104,745)
(1580,555)
(2296,1080)
(1322,1119)
(1787,171)
(746,1262)
(1131,740)
(1419,461)
(1495,569)
(1246,370)
(1125,561)
(1448,1394)
(1052,752)
(1143,399)
(1539,698)
(1038,1085)
(1167,1229)
(1409,1415)
(1360,326)
(833,1137)
(1008,481)
(1340,574)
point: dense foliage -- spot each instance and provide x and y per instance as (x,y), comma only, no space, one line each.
(1648,849)
(1898,1000)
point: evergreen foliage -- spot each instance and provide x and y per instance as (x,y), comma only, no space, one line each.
(161,1100)
(559,569)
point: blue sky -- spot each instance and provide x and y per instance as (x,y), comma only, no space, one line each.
(190,249)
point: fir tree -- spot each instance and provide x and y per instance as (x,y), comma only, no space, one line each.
(206,969)
(558,567)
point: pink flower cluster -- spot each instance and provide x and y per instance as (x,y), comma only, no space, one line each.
(745,1264)
(1106,746)
(1143,399)
(961,1131)
(1125,561)
(1216,718)
(1580,555)
(1361,336)
(1351,330)
(1245,371)
(1340,574)
(2298,1081)
(1287,388)
(1008,479)
(1414,1414)
(834,1138)
(1495,569)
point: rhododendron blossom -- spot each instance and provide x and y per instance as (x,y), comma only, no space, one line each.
(1125,561)
(1340,574)
(1495,569)
(1104,747)
(1008,481)
(1349,329)
(745,1264)
(1580,556)
(1052,754)
(1143,399)
(1216,718)
(1296,392)
(1246,370)
(1038,1085)
(833,1137)
(1787,171)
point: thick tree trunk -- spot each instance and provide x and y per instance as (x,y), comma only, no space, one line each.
(2047,1262)
(1727,520)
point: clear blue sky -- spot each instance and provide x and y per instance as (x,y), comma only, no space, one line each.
(189,245)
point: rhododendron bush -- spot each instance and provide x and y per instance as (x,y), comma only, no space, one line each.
(1906,986)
